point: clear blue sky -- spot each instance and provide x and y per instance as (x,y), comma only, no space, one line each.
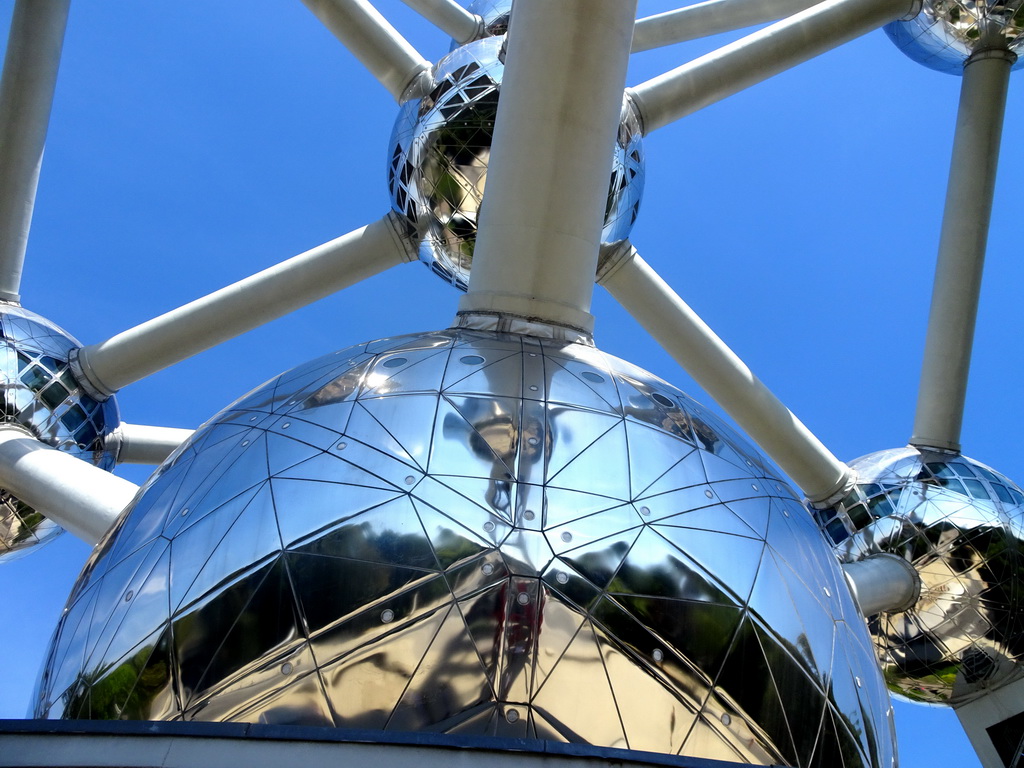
(193,143)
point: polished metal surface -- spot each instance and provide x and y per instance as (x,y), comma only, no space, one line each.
(40,395)
(946,32)
(495,15)
(439,151)
(483,534)
(959,523)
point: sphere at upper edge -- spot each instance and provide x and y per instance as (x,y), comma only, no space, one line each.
(439,151)
(947,32)
(494,16)
(41,395)
(483,534)
(959,523)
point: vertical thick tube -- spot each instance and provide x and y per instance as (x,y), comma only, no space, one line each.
(756,57)
(711,17)
(671,322)
(547,180)
(450,17)
(965,221)
(26,96)
(370,38)
(81,498)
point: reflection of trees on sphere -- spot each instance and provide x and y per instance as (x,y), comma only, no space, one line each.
(41,395)
(946,32)
(959,523)
(440,147)
(482,534)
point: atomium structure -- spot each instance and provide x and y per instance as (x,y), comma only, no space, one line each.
(495,529)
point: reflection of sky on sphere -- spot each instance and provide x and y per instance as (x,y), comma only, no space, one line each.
(482,534)
(40,394)
(959,523)
(946,32)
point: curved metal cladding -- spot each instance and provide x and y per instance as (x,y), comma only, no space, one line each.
(494,15)
(477,533)
(959,523)
(439,152)
(41,395)
(946,32)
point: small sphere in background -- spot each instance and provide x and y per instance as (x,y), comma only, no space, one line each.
(41,395)
(440,148)
(495,15)
(947,32)
(959,523)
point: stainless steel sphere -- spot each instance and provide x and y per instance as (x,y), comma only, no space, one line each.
(440,147)
(946,32)
(959,523)
(476,533)
(495,15)
(40,394)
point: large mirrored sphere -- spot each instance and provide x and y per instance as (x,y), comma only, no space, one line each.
(946,32)
(440,147)
(40,394)
(959,523)
(483,534)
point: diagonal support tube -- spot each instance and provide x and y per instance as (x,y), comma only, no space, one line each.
(756,57)
(671,322)
(26,95)
(710,18)
(181,333)
(547,179)
(370,38)
(450,17)
(144,444)
(965,221)
(81,498)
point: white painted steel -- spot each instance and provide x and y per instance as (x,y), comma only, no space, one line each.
(758,56)
(710,18)
(688,339)
(450,17)
(947,356)
(83,499)
(980,714)
(370,38)
(183,332)
(154,745)
(547,180)
(143,444)
(883,582)
(26,94)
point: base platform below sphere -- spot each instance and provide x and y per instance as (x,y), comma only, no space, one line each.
(143,744)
